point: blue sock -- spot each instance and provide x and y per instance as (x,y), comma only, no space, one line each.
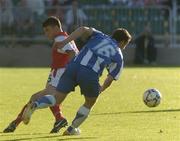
(45,101)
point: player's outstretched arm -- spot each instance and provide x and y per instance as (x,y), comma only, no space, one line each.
(81,31)
(107,83)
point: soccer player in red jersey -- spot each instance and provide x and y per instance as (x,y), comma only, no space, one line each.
(60,57)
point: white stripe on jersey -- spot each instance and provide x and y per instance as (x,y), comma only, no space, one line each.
(112,66)
(96,66)
(86,58)
(118,74)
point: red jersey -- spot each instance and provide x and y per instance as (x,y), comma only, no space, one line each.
(59,57)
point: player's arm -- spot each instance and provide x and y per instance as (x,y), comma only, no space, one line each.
(114,70)
(107,82)
(84,32)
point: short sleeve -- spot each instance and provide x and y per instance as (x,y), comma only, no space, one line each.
(116,66)
(115,69)
(69,46)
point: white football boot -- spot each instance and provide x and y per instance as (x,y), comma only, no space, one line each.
(28,112)
(72,131)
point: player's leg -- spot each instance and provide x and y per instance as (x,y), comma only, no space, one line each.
(56,110)
(65,85)
(52,83)
(41,103)
(81,116)
(44,99)
(60,120)
(89,84)
(13,125)
(33,97)
(83,111)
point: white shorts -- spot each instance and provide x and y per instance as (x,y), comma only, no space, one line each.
(54,76)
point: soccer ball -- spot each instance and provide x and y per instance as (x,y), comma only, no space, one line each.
(152,97)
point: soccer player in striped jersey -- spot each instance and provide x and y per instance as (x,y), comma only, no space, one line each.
(60,58)
(101,51)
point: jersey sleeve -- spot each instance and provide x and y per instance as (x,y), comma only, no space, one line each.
(116,66)
(114,69)
(69,46)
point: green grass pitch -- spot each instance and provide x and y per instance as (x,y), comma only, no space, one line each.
(119,115)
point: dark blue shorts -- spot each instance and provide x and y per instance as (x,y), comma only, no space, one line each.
(76,74)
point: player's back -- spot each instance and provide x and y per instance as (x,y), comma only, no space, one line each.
(99,52)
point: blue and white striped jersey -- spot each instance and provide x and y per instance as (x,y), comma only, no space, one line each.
(101,51)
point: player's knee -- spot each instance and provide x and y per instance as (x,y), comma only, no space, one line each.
(35,96)
(90,102)
(89,105)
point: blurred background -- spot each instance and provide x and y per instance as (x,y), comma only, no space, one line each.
(154,25)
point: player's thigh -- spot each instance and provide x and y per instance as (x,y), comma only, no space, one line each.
(89,82)
(49,90)
(60,96)
(68,82)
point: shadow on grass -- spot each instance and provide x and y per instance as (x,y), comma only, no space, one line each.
(30,138)
(150,66)
(136,112)
(78,138)
(50,137)
(24,134)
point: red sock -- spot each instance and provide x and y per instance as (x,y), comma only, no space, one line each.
(57,112)
(19,117)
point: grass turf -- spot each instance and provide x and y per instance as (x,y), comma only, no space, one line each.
(119,115)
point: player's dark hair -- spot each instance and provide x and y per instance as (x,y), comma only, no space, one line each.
(121,34)
(52,21)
